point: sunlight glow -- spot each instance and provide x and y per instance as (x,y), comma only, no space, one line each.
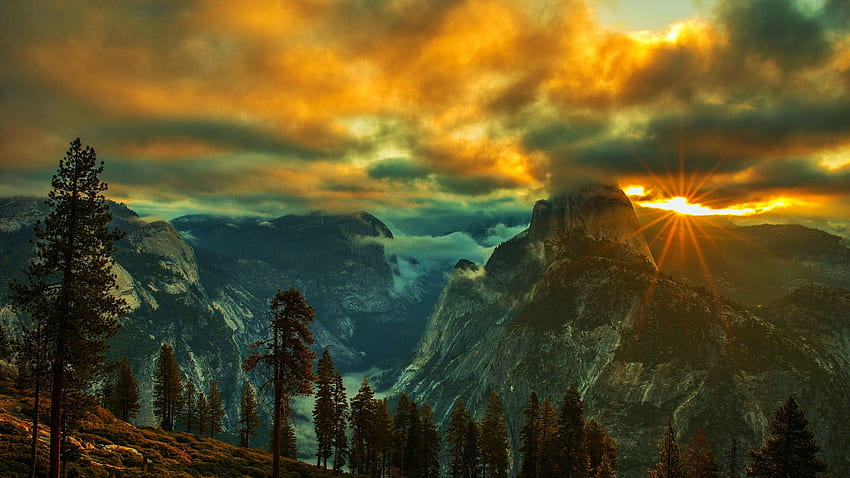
(635,191)
(681,205)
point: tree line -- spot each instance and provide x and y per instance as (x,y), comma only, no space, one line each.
(70,309)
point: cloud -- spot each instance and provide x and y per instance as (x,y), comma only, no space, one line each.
(230,135)
(421,111)
(777,31)
(399,169)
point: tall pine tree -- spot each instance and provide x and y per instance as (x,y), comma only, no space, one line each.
(791,450)
(529,438)
(124,399)
(339,436)
(323,410)
(381,441)
(202,415)
(216,409)
(699,458)
(69,287)
(548,465)
(33,371)
(430,443)
(574,458)
(363,412)
(190,406)
(733,460)
(456,438)
(472,450)
(288,442)
(248,418)
(407,437)
(288,357)
(600,446)
(670,464)
(167,389)
(494,439)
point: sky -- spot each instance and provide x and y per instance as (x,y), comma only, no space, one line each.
(433,114)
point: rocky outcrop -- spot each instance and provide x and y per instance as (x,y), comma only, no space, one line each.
(600,212)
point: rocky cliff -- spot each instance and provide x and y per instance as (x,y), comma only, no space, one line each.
(576,300)
(205,289)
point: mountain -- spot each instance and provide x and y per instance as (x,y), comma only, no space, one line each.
(577,299)
(332,259)
(204,287)
(752,265)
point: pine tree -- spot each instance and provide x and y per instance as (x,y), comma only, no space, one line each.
(430,443)
(216,410)
(791,450)
(323,410)
(33,371)
(288,356)
(339,436)
(167,389)
(456,438)
(606,469)
(472,450)
(699,458)
(570,436)
(190,406)
(363,412)
(407,437)
(733,461)
(124,398)
(248,417)
(6,349)
(381,438)
(670,463)
(549,454)
(288,442)
(203,414)
(494,439)
(69,284)
(529,438)
(599,446)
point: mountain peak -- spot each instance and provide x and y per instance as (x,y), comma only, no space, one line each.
(598,211)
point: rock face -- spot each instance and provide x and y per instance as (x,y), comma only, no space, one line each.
(576,301)
(600,212)
(204,288)
(344,276)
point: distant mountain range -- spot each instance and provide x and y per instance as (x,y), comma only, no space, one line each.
(203,283)
(590,294)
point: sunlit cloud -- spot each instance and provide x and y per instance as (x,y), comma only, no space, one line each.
(275,107)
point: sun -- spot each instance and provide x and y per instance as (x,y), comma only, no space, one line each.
(682,225)
(683,205)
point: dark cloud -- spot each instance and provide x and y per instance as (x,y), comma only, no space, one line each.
(474,185)
(757,130)
(197,176)
(558,135)
(786,177)
(837,14)
(399,169)
(777,31)
(230,135)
